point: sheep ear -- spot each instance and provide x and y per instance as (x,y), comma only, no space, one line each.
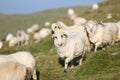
(52,32)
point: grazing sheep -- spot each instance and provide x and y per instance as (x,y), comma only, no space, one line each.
(14,71)
(22,37)
(9,37)
(69,46)
(95,6)
(21,57)
(33,29)
(44,32)
(61,27)
(1,44)
(99,34)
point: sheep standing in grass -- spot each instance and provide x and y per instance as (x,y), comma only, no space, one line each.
(33,29)
(118,25)
(77,20)
(9,37)
(21,57)
(14,41)
(1,44)
(114,29)
(99,34)
(47,24)
(22,37)
(13,71)
(61,27)
(44,32)
(69,46)
(95,6)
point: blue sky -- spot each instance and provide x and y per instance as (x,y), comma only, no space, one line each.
(31,6)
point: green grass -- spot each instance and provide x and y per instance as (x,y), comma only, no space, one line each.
(102,65)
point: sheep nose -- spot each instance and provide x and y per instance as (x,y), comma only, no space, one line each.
(60,44)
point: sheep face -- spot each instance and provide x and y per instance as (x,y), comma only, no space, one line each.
(59,39)
(91,26)
(55,28)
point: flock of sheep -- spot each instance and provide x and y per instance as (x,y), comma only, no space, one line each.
(73,41)
(70,41)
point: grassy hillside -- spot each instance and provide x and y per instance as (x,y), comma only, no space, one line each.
(102,65)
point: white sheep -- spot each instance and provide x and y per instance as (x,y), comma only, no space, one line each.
(109,16)
(33,29)
(95,6)
(9,37)
(118,25)
(99,34)
(14,71)
(61,27)
(114,29)
(44,32)
(22,57)
(71,11)
(1,44)
(13,42)
(47,24)
(22,37)
(69,46)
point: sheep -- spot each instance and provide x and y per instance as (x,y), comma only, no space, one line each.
(14,41)
(22,57)
(118,25)
(61,27)
(44,32)
(14,71)
(114,29)
(47,24)
(95,6)
(109,16)
(77,20)
(71,11)
(33,29)
(99,34)
(1,44)
(9,37)
(69,46)
(22,37)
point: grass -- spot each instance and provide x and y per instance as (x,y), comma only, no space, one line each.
(102,65)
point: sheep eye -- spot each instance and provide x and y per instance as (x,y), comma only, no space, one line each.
(55,26)
(61,36)
(58,27)
(55,37)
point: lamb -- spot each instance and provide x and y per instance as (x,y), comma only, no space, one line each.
(61,27)
(1,44)
(99,34)
(69,46)
(14,71)
(22,57)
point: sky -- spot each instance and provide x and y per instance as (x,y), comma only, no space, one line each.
(32,6)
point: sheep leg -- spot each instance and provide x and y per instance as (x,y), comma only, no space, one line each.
(34,75)
(72,64)
(96,46)
(67,60)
